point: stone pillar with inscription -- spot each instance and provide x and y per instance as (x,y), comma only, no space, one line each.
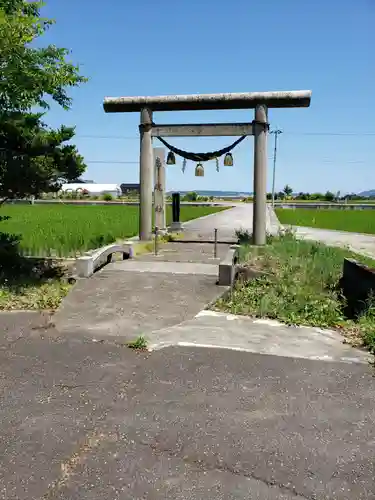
(159,188)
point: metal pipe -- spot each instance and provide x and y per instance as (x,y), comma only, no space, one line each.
(215,243)
(276,132)
(156,246)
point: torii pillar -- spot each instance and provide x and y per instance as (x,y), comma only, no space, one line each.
(260,101)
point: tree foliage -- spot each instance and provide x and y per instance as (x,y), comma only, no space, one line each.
(288,190)
(329,196)
(33,157)
(30,74)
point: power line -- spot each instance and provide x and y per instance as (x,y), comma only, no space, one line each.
(337,134)
(343,162)
(113,161)
(107,137)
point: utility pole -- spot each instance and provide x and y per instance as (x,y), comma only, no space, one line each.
(276,133)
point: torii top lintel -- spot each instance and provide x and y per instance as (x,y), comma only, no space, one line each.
(242,100)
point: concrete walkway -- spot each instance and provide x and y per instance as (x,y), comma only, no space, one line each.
(163,298)
(356,242)
(360,243)
(211,329)
(135,297)
(227,222)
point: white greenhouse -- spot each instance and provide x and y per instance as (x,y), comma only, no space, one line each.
(92,189)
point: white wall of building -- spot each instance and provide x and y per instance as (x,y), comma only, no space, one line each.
(93,189)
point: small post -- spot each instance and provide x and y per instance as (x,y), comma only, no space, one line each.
(176,224)
(215,243)
(156,240)
(176,207)
(260,175)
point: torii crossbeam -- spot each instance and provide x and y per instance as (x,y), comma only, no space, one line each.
(260,101)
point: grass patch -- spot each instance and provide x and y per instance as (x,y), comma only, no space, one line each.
(299,287)
(325,202)
(32,295)
(67,230)
(32,285)
(140,343)
(357,221)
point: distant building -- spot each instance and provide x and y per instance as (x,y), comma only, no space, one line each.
(130,188)
(92,189)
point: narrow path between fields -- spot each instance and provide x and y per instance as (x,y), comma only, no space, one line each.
(356,242)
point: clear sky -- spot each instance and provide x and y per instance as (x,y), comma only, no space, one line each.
(149,47)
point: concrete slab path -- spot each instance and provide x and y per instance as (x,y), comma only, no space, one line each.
(212,329)
(360,243)
(130,298)
(128,303)
(227,222)
(184,252)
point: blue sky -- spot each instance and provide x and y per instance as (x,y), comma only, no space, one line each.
(180,47)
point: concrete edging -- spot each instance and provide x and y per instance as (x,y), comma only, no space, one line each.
(87,264)
(275,224)
(228,267)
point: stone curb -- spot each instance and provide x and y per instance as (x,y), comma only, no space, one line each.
(228,267)
(275,224)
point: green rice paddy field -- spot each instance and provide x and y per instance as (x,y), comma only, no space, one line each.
(65,230)
(357,221)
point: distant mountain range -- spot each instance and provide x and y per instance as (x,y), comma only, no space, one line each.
(368,194)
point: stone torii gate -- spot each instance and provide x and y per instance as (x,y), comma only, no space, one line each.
(259,101)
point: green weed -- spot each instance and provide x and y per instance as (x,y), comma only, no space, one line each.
(140,343)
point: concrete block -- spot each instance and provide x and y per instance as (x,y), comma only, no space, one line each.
(358,285)
(176,227)
(228,266)
(85,266)
(226,274)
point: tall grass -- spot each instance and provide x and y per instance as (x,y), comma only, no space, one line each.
(65,230)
